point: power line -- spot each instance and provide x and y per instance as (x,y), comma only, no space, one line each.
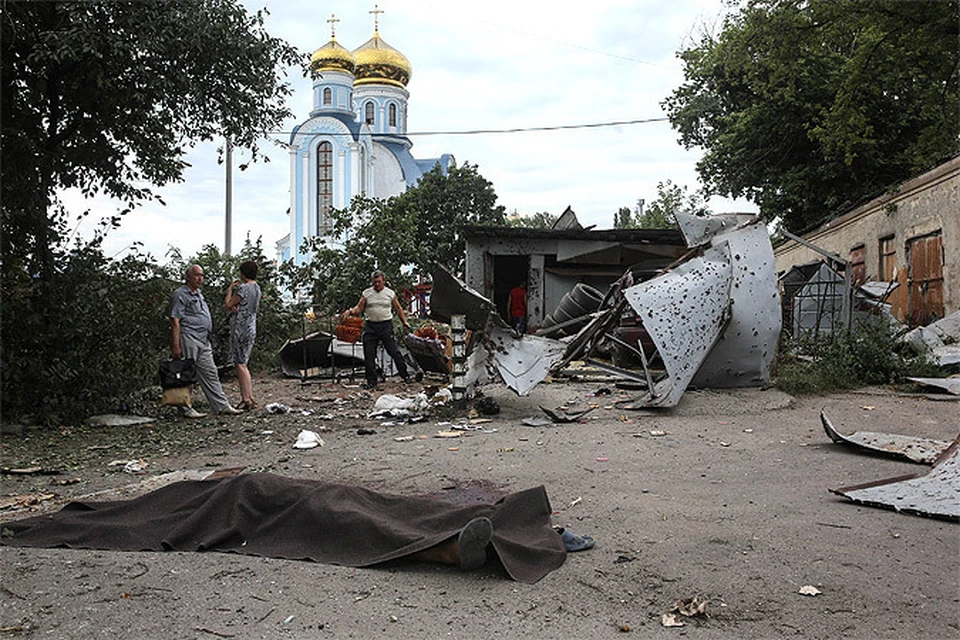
(470,132)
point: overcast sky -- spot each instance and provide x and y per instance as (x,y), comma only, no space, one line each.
(476,66)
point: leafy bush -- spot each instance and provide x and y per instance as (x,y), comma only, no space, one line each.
(867,354)
(82,341)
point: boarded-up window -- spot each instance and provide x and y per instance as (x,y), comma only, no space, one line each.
(925,279)
(888,259)
(858,265)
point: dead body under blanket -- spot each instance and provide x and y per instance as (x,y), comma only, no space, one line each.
(268,515)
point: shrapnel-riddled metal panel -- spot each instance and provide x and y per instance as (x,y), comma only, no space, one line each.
(684,311)
(745,351)
(936,494)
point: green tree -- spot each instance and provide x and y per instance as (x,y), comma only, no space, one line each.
(404,236)
(809,107)
(623,219)
(671,199)
(107,97)
(539,220)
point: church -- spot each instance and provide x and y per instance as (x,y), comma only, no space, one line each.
(355,141)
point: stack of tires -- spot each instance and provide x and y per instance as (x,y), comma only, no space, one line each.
(576,304)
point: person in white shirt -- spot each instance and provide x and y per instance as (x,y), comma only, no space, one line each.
(377,304)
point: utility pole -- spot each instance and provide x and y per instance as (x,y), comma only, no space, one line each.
(229,198)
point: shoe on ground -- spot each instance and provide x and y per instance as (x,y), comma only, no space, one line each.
(230,411)
(472,543)
(573,542)
(193,414)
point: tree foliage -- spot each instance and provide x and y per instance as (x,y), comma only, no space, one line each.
(539,220)
(809,107)
(405,236)
(107,97)
(661,213)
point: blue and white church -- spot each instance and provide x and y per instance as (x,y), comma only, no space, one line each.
(355,141)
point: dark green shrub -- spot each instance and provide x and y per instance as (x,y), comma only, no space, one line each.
(868,354)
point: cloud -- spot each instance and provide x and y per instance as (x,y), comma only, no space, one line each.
(493,65)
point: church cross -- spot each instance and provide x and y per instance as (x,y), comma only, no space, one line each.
(333,20)
(376,17)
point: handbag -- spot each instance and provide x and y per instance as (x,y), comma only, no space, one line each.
(178,373)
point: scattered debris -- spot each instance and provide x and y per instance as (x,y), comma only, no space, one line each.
(935,493)
(114,420)
(136,467)
(809,590)
(921,450)
(307,439)
(536,421)
(686,608)
(277,407)
(447,434)
(950,385)
(24,500)
(562,416)
(366,432)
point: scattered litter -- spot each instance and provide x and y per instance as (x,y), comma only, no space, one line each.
(724,444)
(366,432)
(656,433)
(114,420)
(447,434)
(536,421)
(24,500)
(306,412)
(868,407)
(505,449)
(809,590)
(24,471)
(686,608)
(308,440)
(748,430)
(576,501)
(603,459)
(277,407)
(671,620)
(65,481)
(136,467)
(453,448)
(562,416)
(267,432)
(389,424)
(403,438)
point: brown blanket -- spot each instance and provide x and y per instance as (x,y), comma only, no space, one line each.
(268,515)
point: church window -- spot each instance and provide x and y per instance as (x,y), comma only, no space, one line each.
(327,96)
(393,115)
(368,113)
(324,186)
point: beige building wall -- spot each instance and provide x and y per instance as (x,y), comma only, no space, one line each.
(904,222)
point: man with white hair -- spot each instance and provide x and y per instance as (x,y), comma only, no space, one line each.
(190,326)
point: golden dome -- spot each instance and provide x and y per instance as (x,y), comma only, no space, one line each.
(332,56)
(379,63)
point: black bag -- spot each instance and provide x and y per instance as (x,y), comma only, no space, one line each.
(178,373)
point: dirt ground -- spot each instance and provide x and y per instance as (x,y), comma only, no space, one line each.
(729,504)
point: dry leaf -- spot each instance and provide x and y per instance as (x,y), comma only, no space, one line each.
(670,620)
